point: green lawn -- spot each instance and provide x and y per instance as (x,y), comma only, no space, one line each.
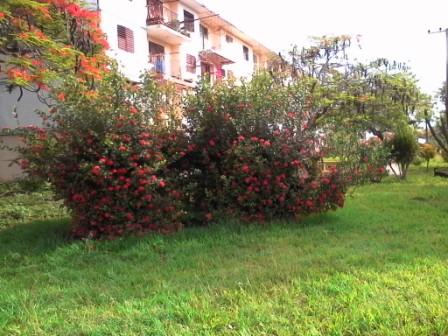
(377,267)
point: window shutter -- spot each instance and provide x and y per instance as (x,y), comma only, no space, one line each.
(125,39)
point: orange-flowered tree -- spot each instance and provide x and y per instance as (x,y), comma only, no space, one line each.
(44,42)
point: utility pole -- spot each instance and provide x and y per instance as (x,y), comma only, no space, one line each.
(446,74)
(444,123)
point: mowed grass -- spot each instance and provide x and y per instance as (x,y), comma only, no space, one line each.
(377,267)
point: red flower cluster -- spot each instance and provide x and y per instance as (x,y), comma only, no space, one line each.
(277,180)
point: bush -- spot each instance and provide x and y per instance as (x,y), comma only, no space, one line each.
(444,155)
(252,154)
(103,155)
(403,147)
(427,152)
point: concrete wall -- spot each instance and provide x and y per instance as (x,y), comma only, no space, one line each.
(20,113)
(8,172)
(192,47)
(13,114)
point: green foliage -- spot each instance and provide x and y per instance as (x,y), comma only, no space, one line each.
(418,160)
(440,131)
(351,99)
(250,150)
(444,155)
(427,152)
(404,148)
(362,161)
(120,166)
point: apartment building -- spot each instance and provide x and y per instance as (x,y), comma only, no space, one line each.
(180,41)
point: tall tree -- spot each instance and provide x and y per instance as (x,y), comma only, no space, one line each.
(378,96)
(440,130)
(45,41)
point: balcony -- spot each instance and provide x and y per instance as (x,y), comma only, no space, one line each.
(215,57)
(164,24)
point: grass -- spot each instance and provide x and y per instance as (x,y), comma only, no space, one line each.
(377,267)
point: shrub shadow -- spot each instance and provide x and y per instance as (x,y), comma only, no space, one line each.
(36,237)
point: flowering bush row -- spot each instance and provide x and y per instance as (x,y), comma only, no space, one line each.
(123,166)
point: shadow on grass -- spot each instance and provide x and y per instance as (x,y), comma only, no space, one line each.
(36,237)
(44,236)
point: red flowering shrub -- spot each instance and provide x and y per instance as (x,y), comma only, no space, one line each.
(250,153)
(105,160)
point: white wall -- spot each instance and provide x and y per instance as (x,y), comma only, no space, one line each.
(192,47)
(20,113)
(234,51)
(9,171)
(130,14)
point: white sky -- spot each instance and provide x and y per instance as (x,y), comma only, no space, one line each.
(395,29)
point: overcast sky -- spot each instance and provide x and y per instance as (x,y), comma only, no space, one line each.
(395,29)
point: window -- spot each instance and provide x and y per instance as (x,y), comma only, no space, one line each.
(204,32)
(188,21)
(191,63)
(246,53)
(255,59)
(125,39)
(229,39)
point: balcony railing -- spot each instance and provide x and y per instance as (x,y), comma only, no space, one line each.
(160,14)
(158,61)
